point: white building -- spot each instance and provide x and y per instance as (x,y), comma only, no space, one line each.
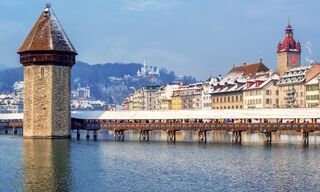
(163,98)
(261,91)
(9,104)
(207,88)
(148,71)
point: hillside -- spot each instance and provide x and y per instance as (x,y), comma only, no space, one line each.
(111,82)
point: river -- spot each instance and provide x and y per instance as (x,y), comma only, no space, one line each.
(105,165)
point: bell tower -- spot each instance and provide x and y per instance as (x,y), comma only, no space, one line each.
(47,56)
(289,52)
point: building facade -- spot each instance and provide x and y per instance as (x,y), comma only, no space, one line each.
(228,92)
(312,92)
(164,97)
(312,86)
(291,87)
(261,91)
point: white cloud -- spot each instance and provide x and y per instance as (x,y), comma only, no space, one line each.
(145,5)
(308,46)
(308,60)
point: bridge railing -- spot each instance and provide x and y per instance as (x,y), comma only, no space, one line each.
(195,126)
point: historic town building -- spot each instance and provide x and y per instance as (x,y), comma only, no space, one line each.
(228,92)
(207,86)
(312,92)
(144,99)
(312,86)
(187,97)
(289,52)
(47,56)
(261,91)
(164,96)
(291,87)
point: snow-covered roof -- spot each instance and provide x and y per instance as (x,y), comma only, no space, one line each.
(189,114)
(200,114)
(314,80)
(9,116)
(294,75)
(47,35)
(263,79)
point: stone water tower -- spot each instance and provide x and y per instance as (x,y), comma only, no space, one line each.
(47,56)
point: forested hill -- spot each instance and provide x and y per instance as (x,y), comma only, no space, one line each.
(111,82)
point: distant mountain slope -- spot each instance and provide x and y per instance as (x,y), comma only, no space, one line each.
(111,82)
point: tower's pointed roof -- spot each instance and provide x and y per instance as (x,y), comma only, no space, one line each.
(47,35)
(289,43)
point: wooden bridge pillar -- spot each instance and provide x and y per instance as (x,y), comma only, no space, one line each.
(202,136)
(236,137)
(119,135)
(78,134)
(144,135)
(88,134)
(305,138)
(268,137)
(171,135)
(95,136)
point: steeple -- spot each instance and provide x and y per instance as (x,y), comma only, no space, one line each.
(288,51)
(289,44)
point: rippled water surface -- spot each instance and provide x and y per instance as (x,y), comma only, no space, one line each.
(105,165)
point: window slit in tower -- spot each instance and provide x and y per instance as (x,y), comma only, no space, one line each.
(42,71)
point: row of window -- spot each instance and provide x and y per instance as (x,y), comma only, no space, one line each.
(259,92)
(312,87)
(227,99)
(228,107)
(312,97)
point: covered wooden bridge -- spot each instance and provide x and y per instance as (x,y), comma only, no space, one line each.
(236,121)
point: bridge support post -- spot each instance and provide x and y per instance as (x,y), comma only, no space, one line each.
(268,137)
(95,136)
(78,134)
(15,131)
(171,135)
(119,135)
(6,131)
(236,137)
(202,136)
(144,135)
(305,138)
(87,134)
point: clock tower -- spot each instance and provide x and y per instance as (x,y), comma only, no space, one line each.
(289,52)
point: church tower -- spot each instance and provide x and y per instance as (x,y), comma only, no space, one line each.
(289,52)
(47,56)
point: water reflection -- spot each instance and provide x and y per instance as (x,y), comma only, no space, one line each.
(46,165)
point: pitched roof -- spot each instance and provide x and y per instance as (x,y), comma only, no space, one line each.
(47,35)
(252,69)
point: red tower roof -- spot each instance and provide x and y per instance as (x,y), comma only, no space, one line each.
(289,44)
(47,35)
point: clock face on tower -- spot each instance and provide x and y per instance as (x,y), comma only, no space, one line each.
(293,59)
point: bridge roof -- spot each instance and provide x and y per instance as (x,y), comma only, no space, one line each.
(201,114)
(188,114)
(11,116)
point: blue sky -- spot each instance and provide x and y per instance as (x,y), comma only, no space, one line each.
(192,37)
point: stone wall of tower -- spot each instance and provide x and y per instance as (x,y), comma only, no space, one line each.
(46,101)
(282,63)
(61,93)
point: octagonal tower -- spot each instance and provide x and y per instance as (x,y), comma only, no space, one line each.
(47,56)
